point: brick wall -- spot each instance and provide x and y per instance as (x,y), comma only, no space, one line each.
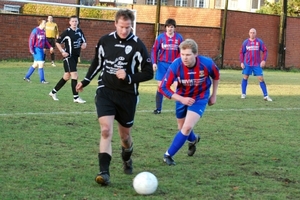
(204,27)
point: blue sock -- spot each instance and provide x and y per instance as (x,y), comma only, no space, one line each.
(41,73)
(263,88)
(177,143)
(244,85)
(159,99)
(30,72)
(191,137)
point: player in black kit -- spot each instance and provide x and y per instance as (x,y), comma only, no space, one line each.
(123,62)
(73,40)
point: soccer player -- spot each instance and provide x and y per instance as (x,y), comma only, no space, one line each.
(51,35)
(195,74)
(163,53)
(123,62)
(37,43)
(73,40)
(253,63)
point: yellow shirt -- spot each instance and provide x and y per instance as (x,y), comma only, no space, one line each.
(51,30)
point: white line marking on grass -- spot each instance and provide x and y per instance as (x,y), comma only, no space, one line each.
(147,111)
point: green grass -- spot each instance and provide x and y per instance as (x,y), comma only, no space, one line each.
(249,148)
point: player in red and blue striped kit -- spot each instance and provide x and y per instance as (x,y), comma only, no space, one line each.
(195,75)
(253,63)
(164,51)
(37,43)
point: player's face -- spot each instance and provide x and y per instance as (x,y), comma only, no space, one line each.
(50,19)
(170,30)
(188,57)
(73,23)
(43,24)
(252,33)
(123,27)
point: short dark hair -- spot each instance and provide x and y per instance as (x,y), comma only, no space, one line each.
(125,14)
(170,22)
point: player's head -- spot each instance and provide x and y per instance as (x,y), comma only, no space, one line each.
(41,23)
(188,52)
(124,21)
(73,21)
(252,33)
(170,22)
(50,18)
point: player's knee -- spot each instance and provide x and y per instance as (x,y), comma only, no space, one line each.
(105,133)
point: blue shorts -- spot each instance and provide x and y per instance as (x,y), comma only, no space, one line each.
(198,107)
(39,54)
(162,68)
(255,70)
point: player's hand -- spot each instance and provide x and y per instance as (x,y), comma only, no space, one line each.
(83,46)
(121,74)
(212,100)
(64,54)
(242,65)
(79,87)
(263,64)
(154,66)
(187,101)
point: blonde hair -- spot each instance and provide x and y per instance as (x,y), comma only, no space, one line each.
(189,44)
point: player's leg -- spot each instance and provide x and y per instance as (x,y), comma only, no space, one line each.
(246,72)
(106,113)
(160,72)
(258,71)
(62,81)
(30,71)
(74,79)
(126,104)
(52,55)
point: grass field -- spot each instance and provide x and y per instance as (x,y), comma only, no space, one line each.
(249,148)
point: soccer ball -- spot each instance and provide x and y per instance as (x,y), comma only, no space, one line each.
(145,183)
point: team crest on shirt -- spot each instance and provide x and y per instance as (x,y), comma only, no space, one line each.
(201,74)
(128,49)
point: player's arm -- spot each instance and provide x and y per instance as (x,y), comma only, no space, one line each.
(59,40)
(83,45)
(154,52)
(263,49)
(32,39)
(215,75)
(95,67)
(242,54)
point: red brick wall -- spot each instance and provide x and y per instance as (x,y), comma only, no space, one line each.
(15,30)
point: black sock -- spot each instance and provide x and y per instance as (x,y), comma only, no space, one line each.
(104,162)
(60,84)
(73,85)
(126,153)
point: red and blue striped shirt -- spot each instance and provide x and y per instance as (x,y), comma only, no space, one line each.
(38,39)
(165,48)
(193,82)
(250,53)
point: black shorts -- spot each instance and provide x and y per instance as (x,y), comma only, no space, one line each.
(52,42)
(120,104)
(70,64)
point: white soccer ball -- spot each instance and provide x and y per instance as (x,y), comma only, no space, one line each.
(145,183)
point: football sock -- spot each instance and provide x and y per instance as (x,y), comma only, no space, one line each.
(52,57)
(177,143)
(73,86)
(42,75)
(191,137)
(59,85)
(263,88)
(30,72)
(159,99)
(244,85)
(104,162)
(126,153)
